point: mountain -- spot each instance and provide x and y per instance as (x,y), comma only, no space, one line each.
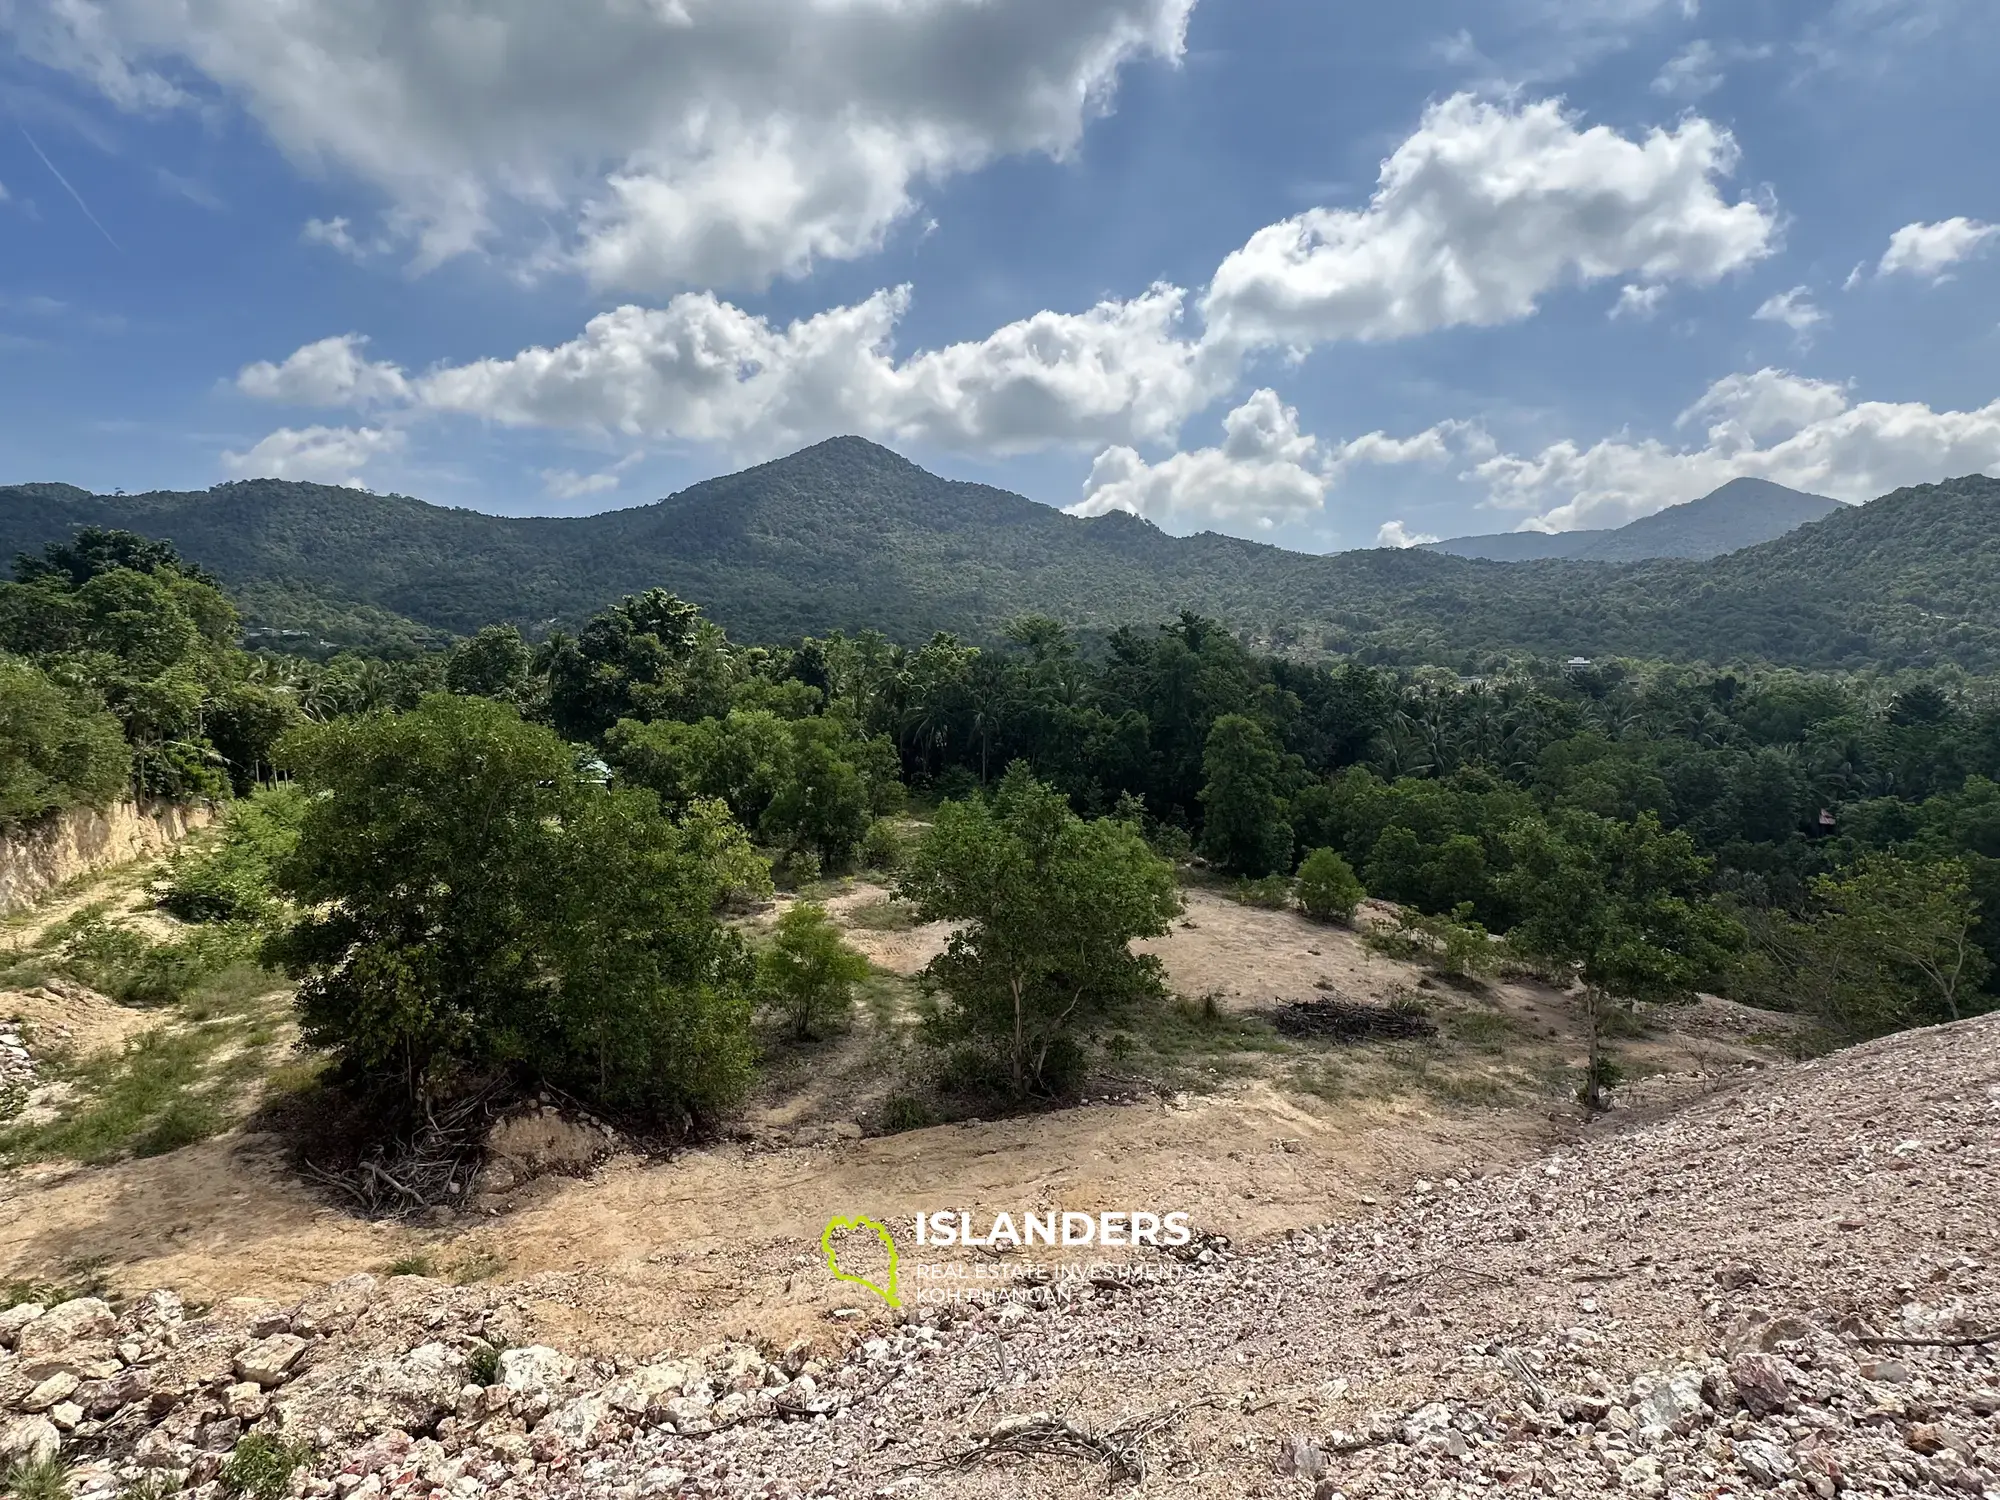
(847,535)
(1743,513)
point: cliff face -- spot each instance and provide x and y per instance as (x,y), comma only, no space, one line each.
(56,850)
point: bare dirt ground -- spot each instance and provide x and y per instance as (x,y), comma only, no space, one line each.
(1254,1137)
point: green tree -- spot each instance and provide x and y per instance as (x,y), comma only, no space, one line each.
(494,664)
(1619,908)
(470,902)
(1047,906)
(808,974)
(1904,937)
(1244,829)
(58,748)
(1328,888)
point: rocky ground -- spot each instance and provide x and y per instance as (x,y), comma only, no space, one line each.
(1786,1288)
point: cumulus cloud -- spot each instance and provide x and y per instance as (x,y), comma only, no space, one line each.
(322,455)
(330,372)
(1481,213)
(1396,534)
(704,370)
(1265,473)
(1806,434)
(1795,309)
(1931,250)
(1483,210)
(1640,302)
(674,141)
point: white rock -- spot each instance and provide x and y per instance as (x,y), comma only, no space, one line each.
(1668,1403)
(534,1369)
(15,1318)
(1764,1462)
(650,1386)
(269,1361)
(56,1388)
(29,1438)
(577,1422)
(64,1324)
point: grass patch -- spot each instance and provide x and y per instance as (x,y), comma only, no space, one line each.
(419,1264)
(880,916)
(1481,1030)
(177,1084)
(477,1265)
(261,1468)
(38,1479)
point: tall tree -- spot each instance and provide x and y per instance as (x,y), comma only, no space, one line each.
(1243,803)
(1904,936)
(1619,908)
(1047,906)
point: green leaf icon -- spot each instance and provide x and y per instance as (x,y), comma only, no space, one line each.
(835,1226)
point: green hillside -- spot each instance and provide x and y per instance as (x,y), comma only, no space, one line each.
(849,535)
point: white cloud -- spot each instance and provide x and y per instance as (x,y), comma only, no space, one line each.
(704,370)
(1396,534)
(567,484)
(330,372)
(1802,433)
(1265,473)
(322,455)
(1795,309)
(1743,408)
(1482,212)
(673,141)
(1640,302)
(337,234)
(1931,250)
(1694,71)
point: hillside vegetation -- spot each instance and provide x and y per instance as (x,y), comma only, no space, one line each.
(847,535)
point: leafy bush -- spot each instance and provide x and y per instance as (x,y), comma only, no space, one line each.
(470,901)
(1273,892)
(57,747)
(883,847)
(262,1466)
(230,879)
(122,963)
(808,974)
(1455,946)
(1048,906)
(902,1112)
(1328,889)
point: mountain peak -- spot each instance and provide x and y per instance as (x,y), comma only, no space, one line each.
(1745,512)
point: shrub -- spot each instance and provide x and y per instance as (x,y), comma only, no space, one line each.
(1273,892)
(470,901)
(230,880)
(808,973)
(1455,946)
(261,1468)
(1328,888)
(38,1478)
(58,748)
(882,847)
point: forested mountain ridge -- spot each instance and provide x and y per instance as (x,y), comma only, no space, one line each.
(847,535)
(1742,513)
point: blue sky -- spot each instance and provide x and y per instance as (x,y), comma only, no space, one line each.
(1322,274)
